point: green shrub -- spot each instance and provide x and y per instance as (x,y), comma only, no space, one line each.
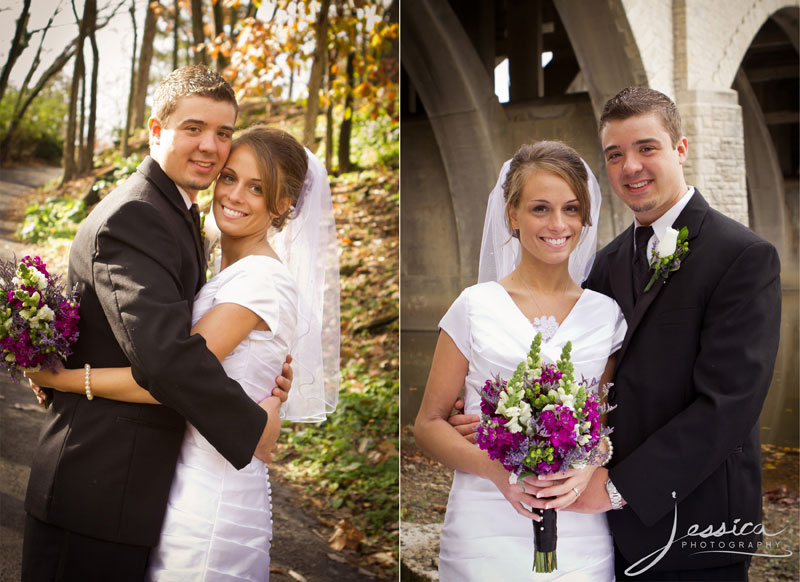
(41,131)
(55,218)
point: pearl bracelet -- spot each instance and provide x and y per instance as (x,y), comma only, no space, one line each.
(610,450)
(87,383)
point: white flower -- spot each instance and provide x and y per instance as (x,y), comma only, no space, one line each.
(568,400)
(41,280)
(666,246)
(582,440)
(45,314)
(513,425)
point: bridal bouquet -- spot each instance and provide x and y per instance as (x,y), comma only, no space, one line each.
(38,321)
(542,421)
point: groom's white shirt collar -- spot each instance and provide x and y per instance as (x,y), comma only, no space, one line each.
(666,220)
(185,196)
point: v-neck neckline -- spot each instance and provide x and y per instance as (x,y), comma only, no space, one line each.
(530,323)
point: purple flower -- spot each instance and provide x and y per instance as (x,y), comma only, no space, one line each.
(46,341)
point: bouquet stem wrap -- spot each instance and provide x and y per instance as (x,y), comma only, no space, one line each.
(545,534)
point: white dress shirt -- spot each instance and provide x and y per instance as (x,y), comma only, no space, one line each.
(664,222)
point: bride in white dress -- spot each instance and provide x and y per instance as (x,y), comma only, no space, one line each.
(538,244)
(266,302)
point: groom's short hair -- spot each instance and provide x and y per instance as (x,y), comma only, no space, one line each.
(191,80)
(633,101)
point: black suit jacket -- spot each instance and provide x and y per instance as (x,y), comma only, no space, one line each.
(690,381)
(104,468)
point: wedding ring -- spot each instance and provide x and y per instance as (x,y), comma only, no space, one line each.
(577,493)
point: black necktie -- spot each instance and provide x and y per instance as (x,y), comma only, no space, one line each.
(641,265)
(195,212)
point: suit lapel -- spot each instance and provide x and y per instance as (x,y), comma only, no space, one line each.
(153,172)
(691,217)
(621,274)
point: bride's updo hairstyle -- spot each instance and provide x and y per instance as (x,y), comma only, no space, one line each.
(282,165)
(550,156)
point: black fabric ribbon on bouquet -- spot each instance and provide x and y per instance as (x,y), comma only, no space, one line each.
(545,532)
(545,536)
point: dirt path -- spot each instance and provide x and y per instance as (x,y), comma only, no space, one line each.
(299,549)
(15,183)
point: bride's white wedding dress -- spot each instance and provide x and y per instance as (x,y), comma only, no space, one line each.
(218,524)
(483,538)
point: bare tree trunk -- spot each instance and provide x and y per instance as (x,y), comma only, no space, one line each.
(87,157)
(18,44)
(329,80)
(126,131)
(80,129)
(315,80)
(345,130)
(233,19)
(198,36)
(175,42)
(219,30)
(70,167)
(143,73)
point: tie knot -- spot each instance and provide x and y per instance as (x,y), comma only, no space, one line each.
(642,236)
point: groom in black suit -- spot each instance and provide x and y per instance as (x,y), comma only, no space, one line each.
(694,368)
(101,475)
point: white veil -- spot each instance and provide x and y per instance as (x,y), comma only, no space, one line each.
(307,246)
(500,252)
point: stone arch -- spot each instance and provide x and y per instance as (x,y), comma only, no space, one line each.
(770,125)
(749,23)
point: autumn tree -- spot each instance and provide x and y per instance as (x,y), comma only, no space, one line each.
(348,49)
(132,84)
(198,35)
(145,62)
(317,71)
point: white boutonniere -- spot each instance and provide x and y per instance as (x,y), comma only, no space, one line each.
(668,254)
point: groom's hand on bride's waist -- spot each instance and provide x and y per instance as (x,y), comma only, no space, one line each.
(465,424)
